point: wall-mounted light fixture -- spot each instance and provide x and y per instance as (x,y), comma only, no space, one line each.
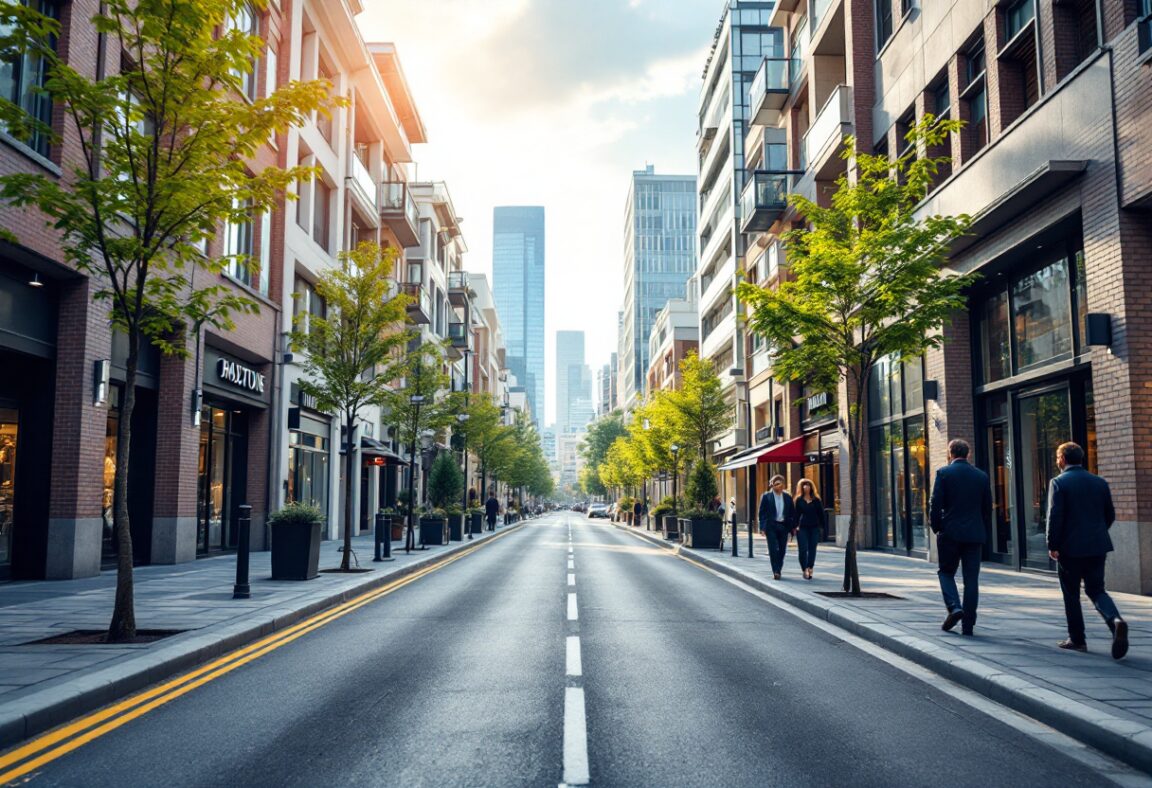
(197,404)
(101,374)
(1099,329)
(35,281)
(931,390)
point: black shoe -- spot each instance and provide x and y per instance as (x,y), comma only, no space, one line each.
(952,620)
(1119,638)
(1069,645)
(967,633)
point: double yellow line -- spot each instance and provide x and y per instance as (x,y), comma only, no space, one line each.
(76,734)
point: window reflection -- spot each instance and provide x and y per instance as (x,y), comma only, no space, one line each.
(1042,319)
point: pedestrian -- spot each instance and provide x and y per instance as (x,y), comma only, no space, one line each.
(776,522)
(491,509)
(809,524)
(1080,512)
(637,511)
(961,517)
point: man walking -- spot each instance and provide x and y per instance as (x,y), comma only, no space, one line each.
(961,516)
(1080,512)
(491,509)
(775,515)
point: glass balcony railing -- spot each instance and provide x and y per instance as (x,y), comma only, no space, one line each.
(764,199)
(399,210)
(769,90)
(419,305)
(363,180)
(458,335)
(829,128)
(818,9)
(457,280)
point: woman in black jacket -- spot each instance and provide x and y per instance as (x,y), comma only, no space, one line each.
(809,513)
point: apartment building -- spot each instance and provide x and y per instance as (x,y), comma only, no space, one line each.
(675,334)
(744,38)
(1053,166)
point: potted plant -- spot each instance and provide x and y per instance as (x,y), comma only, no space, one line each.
(659,511)
(624,509)
(702,526)
(445,488)
(295,536)
(475,519)
(455,522)
(395,520)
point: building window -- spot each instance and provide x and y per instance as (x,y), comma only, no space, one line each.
(899,461)
(240,249)
(22,78)
(883,23)
(308,459)
(306,304)
(941,98)
(1017,16)
(975,98)
(246,21)
(1020,78)
(321,213)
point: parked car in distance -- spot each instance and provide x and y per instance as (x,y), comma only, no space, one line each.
(598,510)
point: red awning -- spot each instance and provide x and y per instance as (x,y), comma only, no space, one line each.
(788,451)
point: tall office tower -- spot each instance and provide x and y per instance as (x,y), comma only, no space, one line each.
(659,256)
(518,285)
(743,39)
(572,380)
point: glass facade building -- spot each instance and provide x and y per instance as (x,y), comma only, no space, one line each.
(659,256)
(518,287)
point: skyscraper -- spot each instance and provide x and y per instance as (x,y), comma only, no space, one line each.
(518,286)
(573,383)
(659,256)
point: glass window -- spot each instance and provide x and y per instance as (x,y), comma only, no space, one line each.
(941,99)
(995,344)
(1042,319)
(974,61)
(917,483)
(1017,15)
(882,484)
(1081,281)
(308,464)
(1045,423)
(22,77)
(9,428)
(239,242)
(883,22)
(914,384)
(978,112)
(246,21)
(878,399)
(896,387)
(1145,8)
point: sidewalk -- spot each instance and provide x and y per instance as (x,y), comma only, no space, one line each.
(42,686)
(1013,659)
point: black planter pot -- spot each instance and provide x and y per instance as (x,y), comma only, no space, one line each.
(433,530)
(295,551)
(455,527)
(670,525)
(702,532)
(396,527)
(476,523)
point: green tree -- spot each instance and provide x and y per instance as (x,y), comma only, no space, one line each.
(594,449)
(424,380)
(865,283)
(161,166)
(697,413)
(445,481)
(348,352)
(488,438)
(701,489)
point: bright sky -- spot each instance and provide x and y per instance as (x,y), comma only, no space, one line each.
(553,103)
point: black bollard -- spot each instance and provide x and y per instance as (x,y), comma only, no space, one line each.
(379,538)
(388,540)
(243,547)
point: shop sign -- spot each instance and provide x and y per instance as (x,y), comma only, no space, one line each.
(305,400)
(817,401)
(240,376)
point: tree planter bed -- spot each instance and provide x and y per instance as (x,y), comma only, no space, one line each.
(295,551)
(670,526)
(702,533)
(433,530)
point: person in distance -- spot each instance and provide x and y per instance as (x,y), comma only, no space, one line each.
(809,524)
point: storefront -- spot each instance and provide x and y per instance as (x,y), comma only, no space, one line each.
(818,421)
(309,451)
(1033,390)
(28,316)
(898,455)
(236,394)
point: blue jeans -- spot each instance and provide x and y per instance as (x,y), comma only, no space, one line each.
(777,536)
(952,556)
(806,541)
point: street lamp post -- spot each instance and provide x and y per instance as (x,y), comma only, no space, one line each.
(675,478)
(739,378)
(644,511)
(462,419)
(416,400)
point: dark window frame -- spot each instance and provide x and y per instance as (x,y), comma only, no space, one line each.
(26,94)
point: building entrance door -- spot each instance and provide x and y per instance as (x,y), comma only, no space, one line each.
(223,477)
(1045,423)
(9,429)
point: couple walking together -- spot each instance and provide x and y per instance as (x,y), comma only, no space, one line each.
(782,516)
(1080,512)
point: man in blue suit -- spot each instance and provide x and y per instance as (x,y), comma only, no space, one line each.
(961,517)
(775,515)
(1080,512)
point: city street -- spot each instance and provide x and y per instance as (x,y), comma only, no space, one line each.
(565,652)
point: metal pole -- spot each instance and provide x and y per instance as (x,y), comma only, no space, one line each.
(410,532)
(242,590)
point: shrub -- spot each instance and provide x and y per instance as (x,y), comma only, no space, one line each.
(701,488)
(445,481)
(296,514)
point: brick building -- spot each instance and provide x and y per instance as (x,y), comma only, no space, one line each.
(1054,167)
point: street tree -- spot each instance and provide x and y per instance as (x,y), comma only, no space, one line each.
(594,449)
(697,413)
(865,283)
(161,166)
(487,436)
(422,405)
(445,481)
(348,353)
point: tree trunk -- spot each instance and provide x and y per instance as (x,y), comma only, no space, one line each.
(349,466)
(855,428)
(123,625)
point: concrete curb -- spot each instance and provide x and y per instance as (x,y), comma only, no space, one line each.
(1125,740)
(38,711)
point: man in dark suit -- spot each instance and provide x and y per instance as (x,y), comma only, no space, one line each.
(491,509)
(961,517)
(776,522)
(1080,512)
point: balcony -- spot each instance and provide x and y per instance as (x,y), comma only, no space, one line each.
(824,138)
(458,289)
(459,340)
(764,200)
(419,305)
(363,189)
(398,211)
(769,91)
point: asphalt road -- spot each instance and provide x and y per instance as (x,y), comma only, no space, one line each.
(462,679)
